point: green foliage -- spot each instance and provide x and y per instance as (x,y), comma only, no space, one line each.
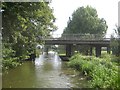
(80,62)
(115,46)
(103,71)
(9,61)
(85,21)
(115,42)
(104,77)
(23,23)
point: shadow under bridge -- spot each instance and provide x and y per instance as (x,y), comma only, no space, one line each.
(92,40)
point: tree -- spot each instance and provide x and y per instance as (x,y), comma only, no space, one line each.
(115,42)
(85,21)
(22,23)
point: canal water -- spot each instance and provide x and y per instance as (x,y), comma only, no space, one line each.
(47,71)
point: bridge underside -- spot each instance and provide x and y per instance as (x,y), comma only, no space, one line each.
(97,50)
(78,42)
(98,44)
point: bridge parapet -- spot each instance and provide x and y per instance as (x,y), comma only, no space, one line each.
(82,37)
(76,37)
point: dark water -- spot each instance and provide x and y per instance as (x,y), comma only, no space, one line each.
(48,71)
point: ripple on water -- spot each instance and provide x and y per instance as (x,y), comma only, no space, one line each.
(46,72)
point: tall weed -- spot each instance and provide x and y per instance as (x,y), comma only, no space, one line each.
(103,71)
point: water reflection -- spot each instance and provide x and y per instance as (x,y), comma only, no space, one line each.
(50,61)
(49,68)
(43,73)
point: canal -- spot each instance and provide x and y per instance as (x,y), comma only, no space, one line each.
(47,71)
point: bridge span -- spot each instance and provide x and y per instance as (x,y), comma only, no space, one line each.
(97,41)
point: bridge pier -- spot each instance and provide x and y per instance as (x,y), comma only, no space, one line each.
(68,50)
(71,41)
(108,49)
(91,51)
(98,51)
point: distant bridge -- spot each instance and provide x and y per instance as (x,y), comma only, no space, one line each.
(93,40)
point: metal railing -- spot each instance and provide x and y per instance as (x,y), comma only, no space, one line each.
(76,37)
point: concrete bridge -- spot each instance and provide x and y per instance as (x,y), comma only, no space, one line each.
(97,41)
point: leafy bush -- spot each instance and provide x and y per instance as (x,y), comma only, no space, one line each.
(9,60)
(103,71)
(87,67)
(103,77)
(10,63)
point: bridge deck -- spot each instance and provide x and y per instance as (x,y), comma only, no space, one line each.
(78,39)
(77,42)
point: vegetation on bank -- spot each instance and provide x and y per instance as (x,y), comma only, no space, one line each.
(101,72)
(24,23)
(10,61)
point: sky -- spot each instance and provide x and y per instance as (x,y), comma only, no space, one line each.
(107,9)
